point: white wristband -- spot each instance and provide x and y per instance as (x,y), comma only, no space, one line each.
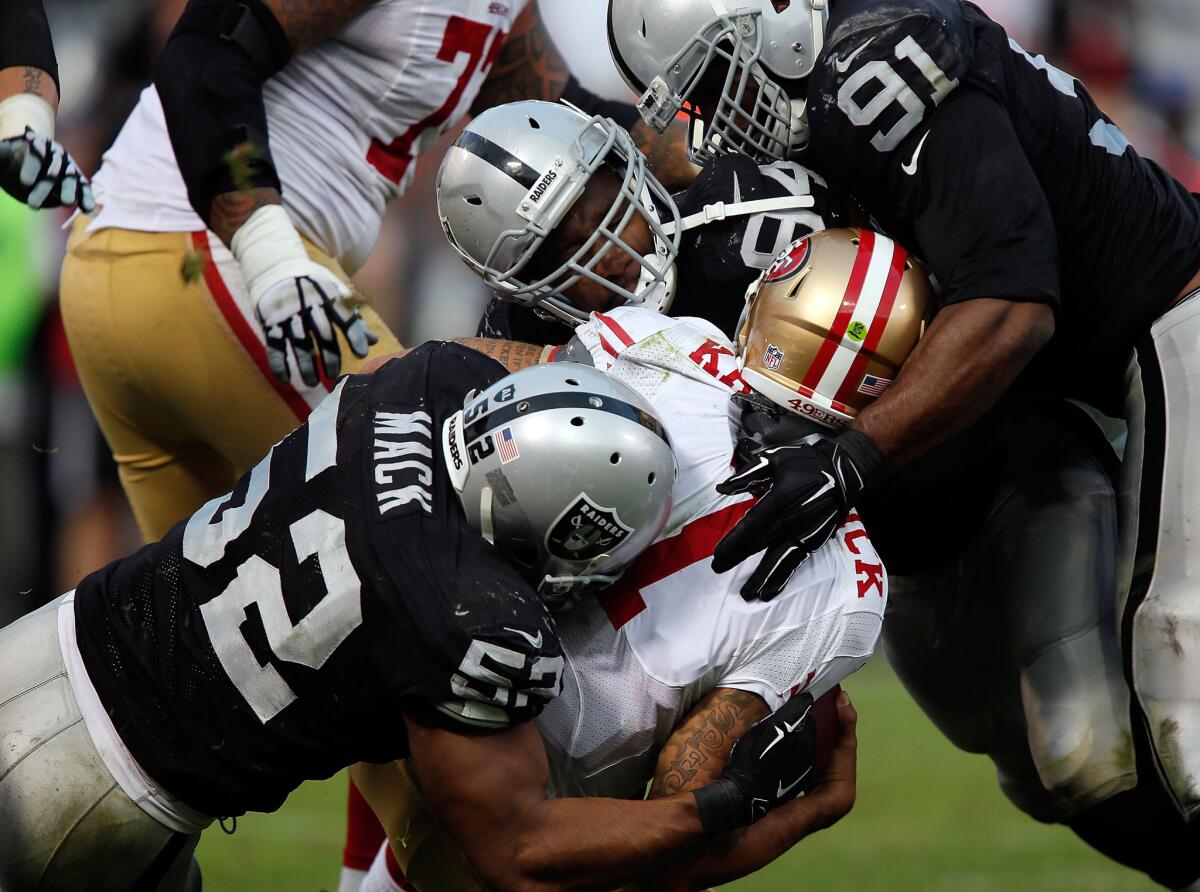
(26,110)
(268,249)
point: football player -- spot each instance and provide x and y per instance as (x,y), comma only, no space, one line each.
(377,586)
(33,167)
(670,664)
(208,303)
(1065,260)
(556,211)
(1002,621)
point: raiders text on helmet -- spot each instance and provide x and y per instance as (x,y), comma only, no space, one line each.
(515,172)
(758,56)
(564,469)
(829,323)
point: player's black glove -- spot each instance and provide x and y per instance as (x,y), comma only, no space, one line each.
(806,492)
(767,767)
(39,172)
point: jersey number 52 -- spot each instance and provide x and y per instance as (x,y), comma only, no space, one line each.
(312,640)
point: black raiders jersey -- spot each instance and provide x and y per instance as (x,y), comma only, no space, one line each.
(718,258)
(1000,172)
(285,629)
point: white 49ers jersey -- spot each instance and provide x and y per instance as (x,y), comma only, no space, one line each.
(642,654)
(346,120)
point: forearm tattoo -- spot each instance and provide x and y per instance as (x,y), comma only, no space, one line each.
(698,750)
(529,66)
(231,209)
(307,22)
(513,355)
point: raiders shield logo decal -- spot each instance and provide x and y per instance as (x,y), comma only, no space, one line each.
(584,531)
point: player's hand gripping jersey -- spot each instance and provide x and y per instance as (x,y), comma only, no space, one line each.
(642,653)
(346,118)
(999,170)
(337,588)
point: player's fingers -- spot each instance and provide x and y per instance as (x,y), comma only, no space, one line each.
(31,166)
(39,194)
(68,192)
(757,474)
(847,721)
(360,337)
(277,353)
(749,535)
(771,575)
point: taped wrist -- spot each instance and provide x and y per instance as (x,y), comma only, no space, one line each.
(26,110)
(210,81)
(268,249)
(866,456)
(25,39)
(589,103)
(721,806)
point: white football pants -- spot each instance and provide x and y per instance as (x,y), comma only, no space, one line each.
(65,823)
(1160,543)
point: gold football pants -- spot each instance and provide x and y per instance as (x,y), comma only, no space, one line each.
(430,859)
(174,365)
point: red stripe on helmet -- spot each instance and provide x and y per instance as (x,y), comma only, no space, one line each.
(841,322)
(883,313)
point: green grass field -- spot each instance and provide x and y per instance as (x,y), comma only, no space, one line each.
(928,818)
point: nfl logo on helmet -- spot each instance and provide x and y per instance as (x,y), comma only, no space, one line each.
(773,357)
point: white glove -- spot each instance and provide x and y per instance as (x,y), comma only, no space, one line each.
(33,167)
(297,301)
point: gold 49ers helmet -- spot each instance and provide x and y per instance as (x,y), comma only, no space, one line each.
(829,323)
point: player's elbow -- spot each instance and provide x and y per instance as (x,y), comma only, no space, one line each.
(1034,324)
(533,866)
(529,867)
(1020,330)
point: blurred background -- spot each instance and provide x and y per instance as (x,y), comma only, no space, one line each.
(63,513)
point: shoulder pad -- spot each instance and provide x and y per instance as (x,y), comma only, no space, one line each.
(505,678)
(886,65)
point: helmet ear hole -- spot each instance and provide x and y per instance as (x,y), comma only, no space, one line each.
(474,200)
(577,421)
(615,458)
(534,124)
(651,477)
(642,29)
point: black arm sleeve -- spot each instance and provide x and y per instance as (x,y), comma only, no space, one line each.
(25,37)
(210,81)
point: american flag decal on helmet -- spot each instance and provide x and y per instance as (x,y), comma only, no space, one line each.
(506,446)
(873,385)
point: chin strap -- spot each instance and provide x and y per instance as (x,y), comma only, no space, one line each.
(723,210)
(818,18)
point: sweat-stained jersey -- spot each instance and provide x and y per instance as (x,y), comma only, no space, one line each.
(346,119)
(285,629)
(1000,172)
(717,259)
(641,654)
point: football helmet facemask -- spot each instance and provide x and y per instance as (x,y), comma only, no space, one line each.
(827,326)
(514,174)
(760,58)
